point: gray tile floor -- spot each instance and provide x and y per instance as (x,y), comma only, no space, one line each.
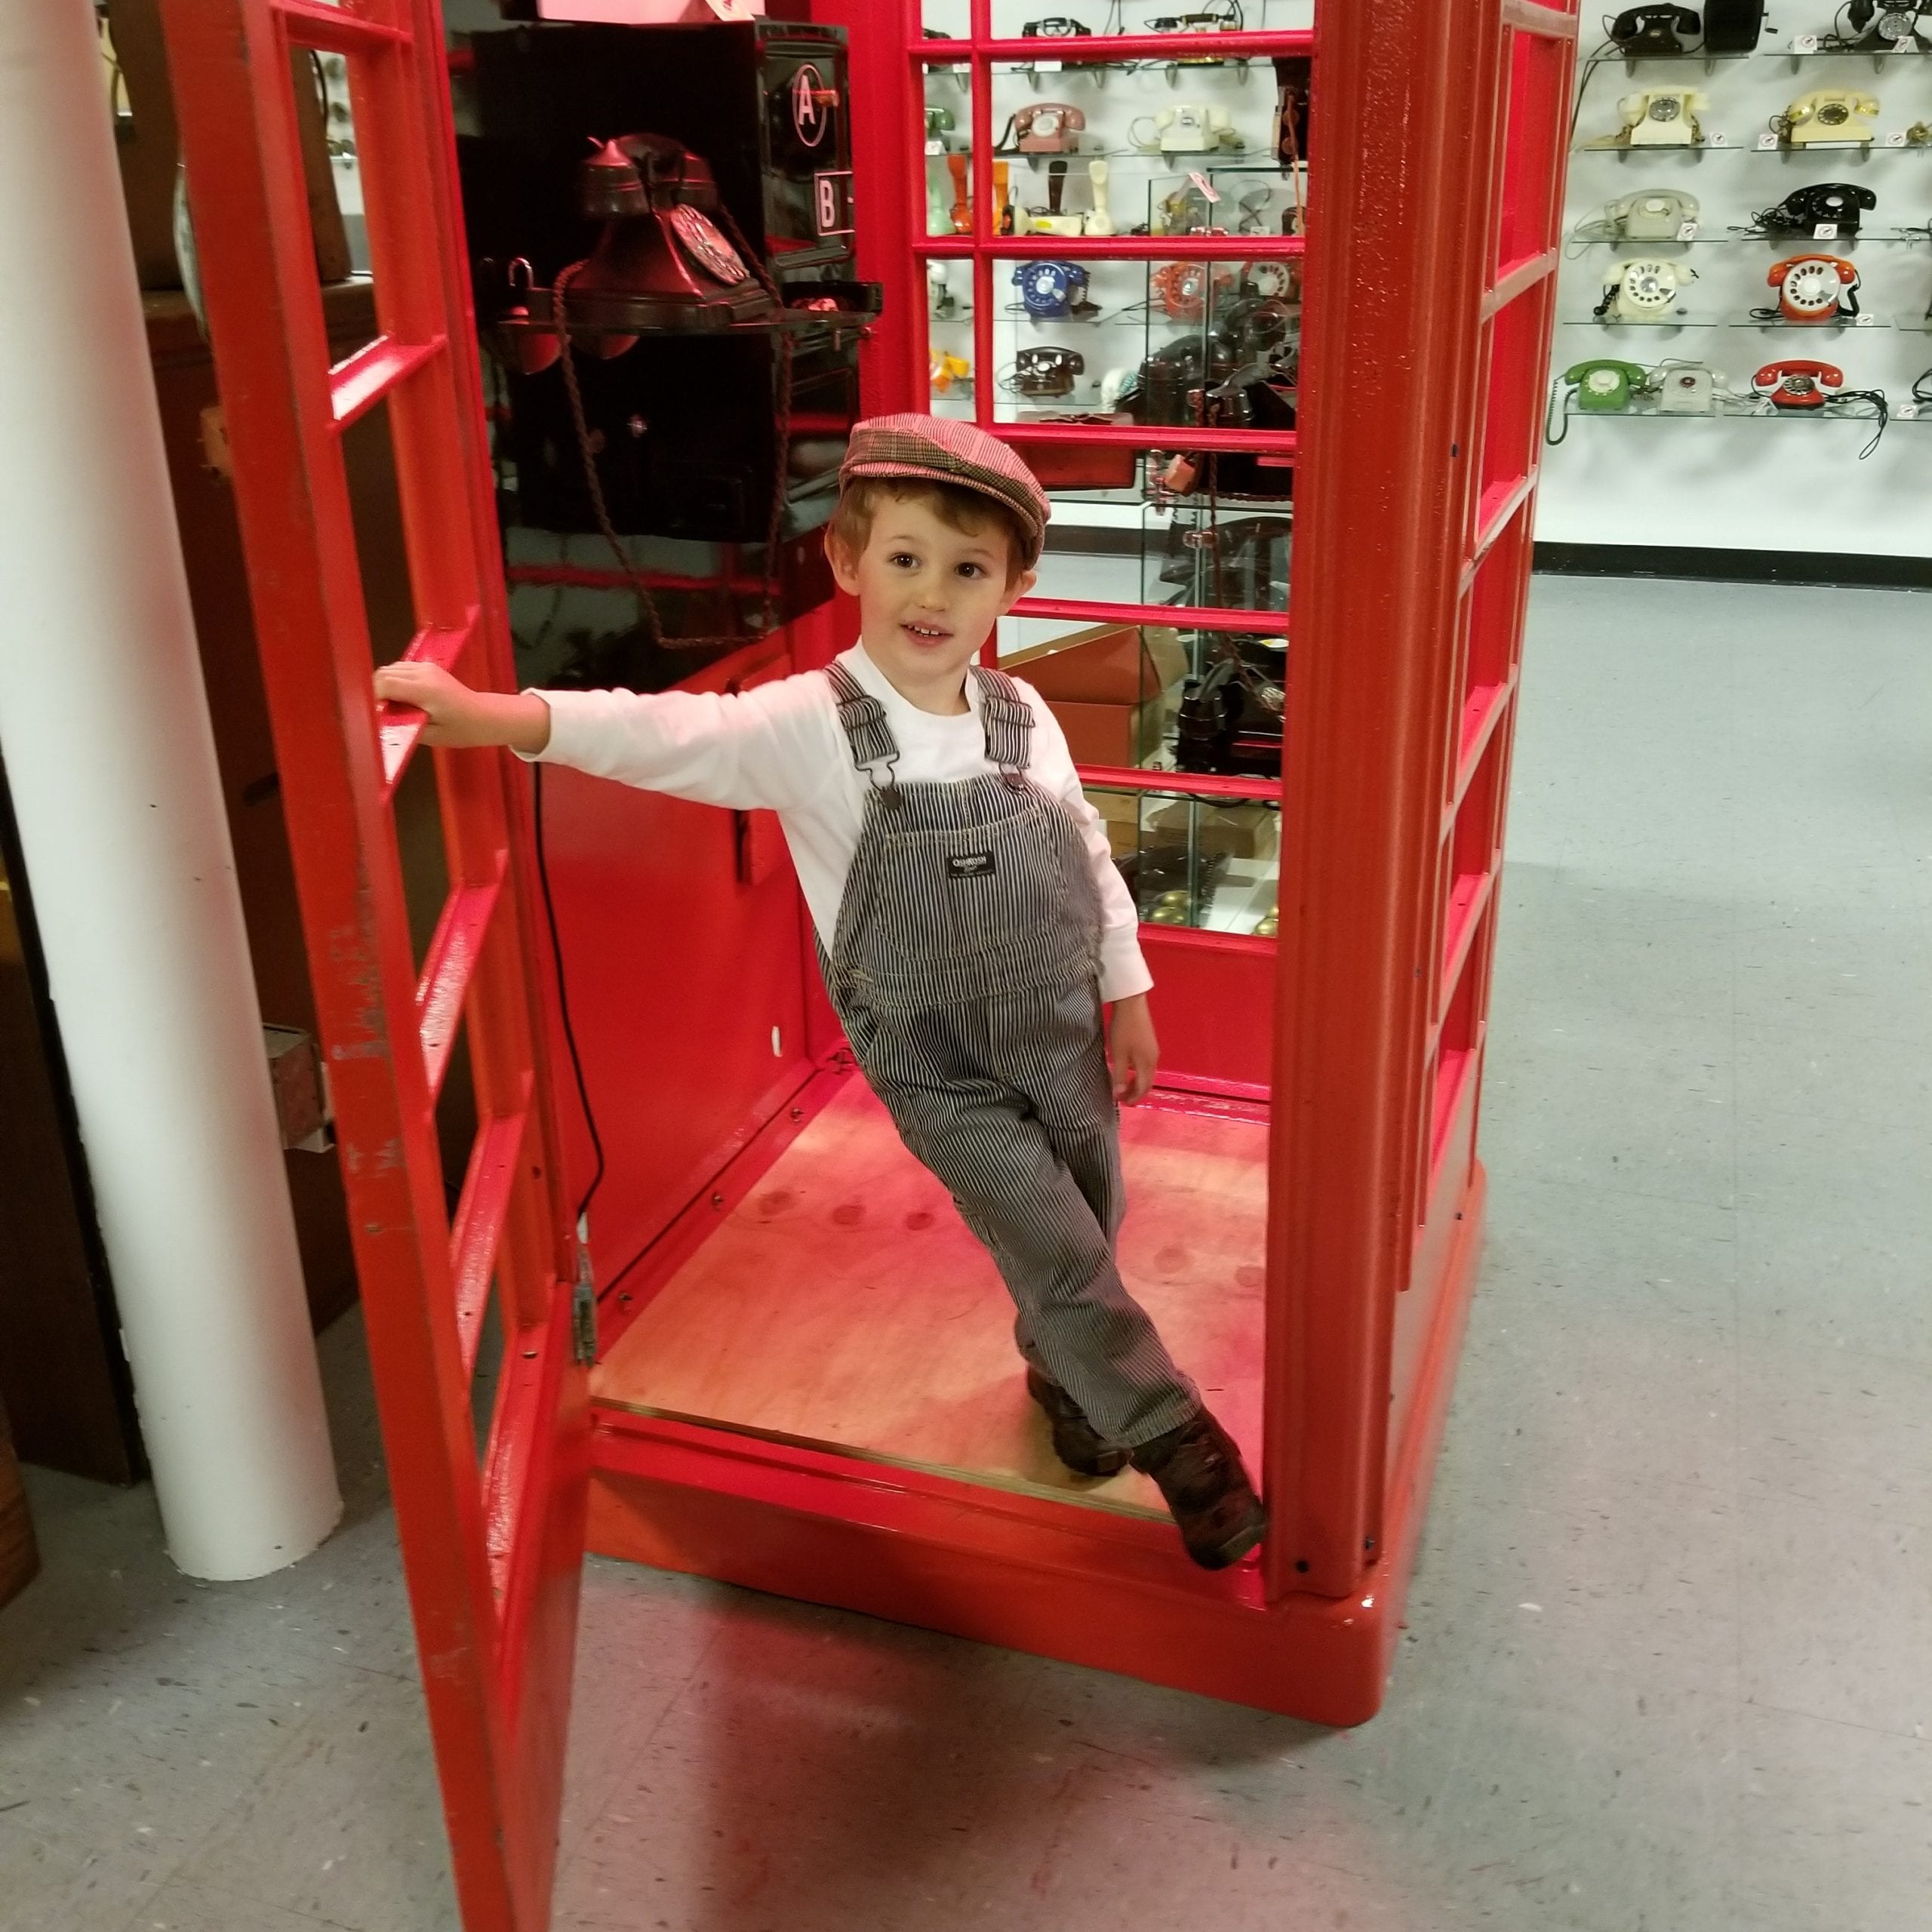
(1669,1659)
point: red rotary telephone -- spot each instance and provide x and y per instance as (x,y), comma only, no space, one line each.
(1815,288)
(1182,289)
(1798,385)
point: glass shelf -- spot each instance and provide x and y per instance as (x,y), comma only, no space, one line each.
(1726,144)
(1740,409)
(1731,237)
(1613,56)
(1852,324)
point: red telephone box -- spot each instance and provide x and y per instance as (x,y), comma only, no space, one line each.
(1306,1183)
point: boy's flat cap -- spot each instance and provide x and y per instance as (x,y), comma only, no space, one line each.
(943,450)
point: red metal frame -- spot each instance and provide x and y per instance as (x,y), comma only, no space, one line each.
(1428,313)
(492,1554)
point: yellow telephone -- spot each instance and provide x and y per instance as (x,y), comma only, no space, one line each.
(1832,114)
(947,369)
(1661,117)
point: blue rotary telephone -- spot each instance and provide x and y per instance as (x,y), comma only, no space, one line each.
(1052,291)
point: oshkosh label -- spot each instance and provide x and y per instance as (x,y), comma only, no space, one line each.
(970,865)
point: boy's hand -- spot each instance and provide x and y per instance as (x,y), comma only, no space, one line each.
(458,716)
(1133,1049)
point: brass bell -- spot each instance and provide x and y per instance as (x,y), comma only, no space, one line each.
(1269,924)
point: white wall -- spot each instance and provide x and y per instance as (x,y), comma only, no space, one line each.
(1788,483)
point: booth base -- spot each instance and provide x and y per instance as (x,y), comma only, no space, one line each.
(824,1402)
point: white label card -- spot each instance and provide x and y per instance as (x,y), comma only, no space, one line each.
(1718,141)
(1896,139)
(1906,412)
(935,147)
(1767,141)
(1804,43)
(1201,182)
(1686,231)
(1046,67)
(1867,322)
(1826,231)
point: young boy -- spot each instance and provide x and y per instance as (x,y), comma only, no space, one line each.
(970,922)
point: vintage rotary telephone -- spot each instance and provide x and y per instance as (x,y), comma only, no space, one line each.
(1648,32)
(1646,290)
(1182,289)
(1660,117)
(1052,291)
(1046,371)
(1189,127)
(1884,26)
(1732,26)
(1055,26)
(1602,387)
(1654,214)
(1832,114)
(1230,720)
(1841,205)
(1228,18)
(1798,385)
(1052,127)
(1812,289)
(1687,389)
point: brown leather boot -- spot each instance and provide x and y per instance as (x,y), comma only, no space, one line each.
(1076,1442)
(1198,1470)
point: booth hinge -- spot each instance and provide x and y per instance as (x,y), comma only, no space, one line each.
(583,1311)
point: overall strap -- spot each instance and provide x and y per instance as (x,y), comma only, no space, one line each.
(862,717)
(1009,721)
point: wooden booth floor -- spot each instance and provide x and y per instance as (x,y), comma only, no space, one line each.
(844,1304)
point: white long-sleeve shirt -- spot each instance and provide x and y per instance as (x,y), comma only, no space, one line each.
(779,746)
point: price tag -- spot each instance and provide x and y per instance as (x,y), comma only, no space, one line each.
(1201,182)
(1766,142)
(1826,231)
(1686,231)
(1896,139)
(1804,43)
(935,147)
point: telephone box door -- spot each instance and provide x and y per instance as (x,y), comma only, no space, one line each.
(491,1520)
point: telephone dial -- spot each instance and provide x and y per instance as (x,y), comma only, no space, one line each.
(1650,31)
(1839,204)
(1732,26)
(1182,289)
(1049,371)
(1655,214)
(1647,289)
(1661,117)
(1798,385)
(1052,291)
(1812,289)
(1052,127)
(1832,114)
(1885,26)
(1189,127)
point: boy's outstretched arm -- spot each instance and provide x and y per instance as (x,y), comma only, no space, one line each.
(458,716)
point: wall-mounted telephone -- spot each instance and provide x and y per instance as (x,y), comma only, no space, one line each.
(1654,214)
(1002,198)
(1885,26)
(1047,371)
(1648,289)
(1644,32)
(962,215)
(940,123)
(1189,127)
(1182,289)
(1798,385)
(1687,389)
(1051,291)
(1832,114)
(1840,206)
(1812,289)
(1732,26)
(1101,221)
(1660,117)
(1051,127)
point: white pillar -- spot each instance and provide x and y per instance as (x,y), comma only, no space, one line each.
(104,726)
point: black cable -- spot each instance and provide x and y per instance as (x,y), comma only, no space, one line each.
(563,998)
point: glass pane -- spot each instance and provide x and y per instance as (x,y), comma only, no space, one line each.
(1208,863)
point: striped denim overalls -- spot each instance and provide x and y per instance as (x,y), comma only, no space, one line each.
(965,968)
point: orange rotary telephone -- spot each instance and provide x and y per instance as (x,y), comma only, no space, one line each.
(1182,289)
(1798,385)
(1813,289)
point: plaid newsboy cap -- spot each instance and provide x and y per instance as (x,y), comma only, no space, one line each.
(944,449)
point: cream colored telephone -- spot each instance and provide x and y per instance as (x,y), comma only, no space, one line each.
(1187,127)
(1832,114)
(1660,117)
(1101,221)
(1647,290)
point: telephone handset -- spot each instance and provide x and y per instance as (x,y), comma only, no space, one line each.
(1050,127)
(1812,289)
(962,215)
(1645,31)
(1798,385)
(1831,114)
(1189,127)
(1839,204)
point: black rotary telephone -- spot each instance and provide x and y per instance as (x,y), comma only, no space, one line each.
(1045,371)
(1644,32)
(1230,720)
(1842,205)
(1886,26)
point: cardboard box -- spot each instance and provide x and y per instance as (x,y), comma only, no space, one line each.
(1230,831)
(1107,685)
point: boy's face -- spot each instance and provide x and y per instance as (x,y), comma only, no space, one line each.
(928,594)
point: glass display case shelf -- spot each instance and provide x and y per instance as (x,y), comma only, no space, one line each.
(1848,325)
(1730,238)
(1744,409)
(1895,142)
